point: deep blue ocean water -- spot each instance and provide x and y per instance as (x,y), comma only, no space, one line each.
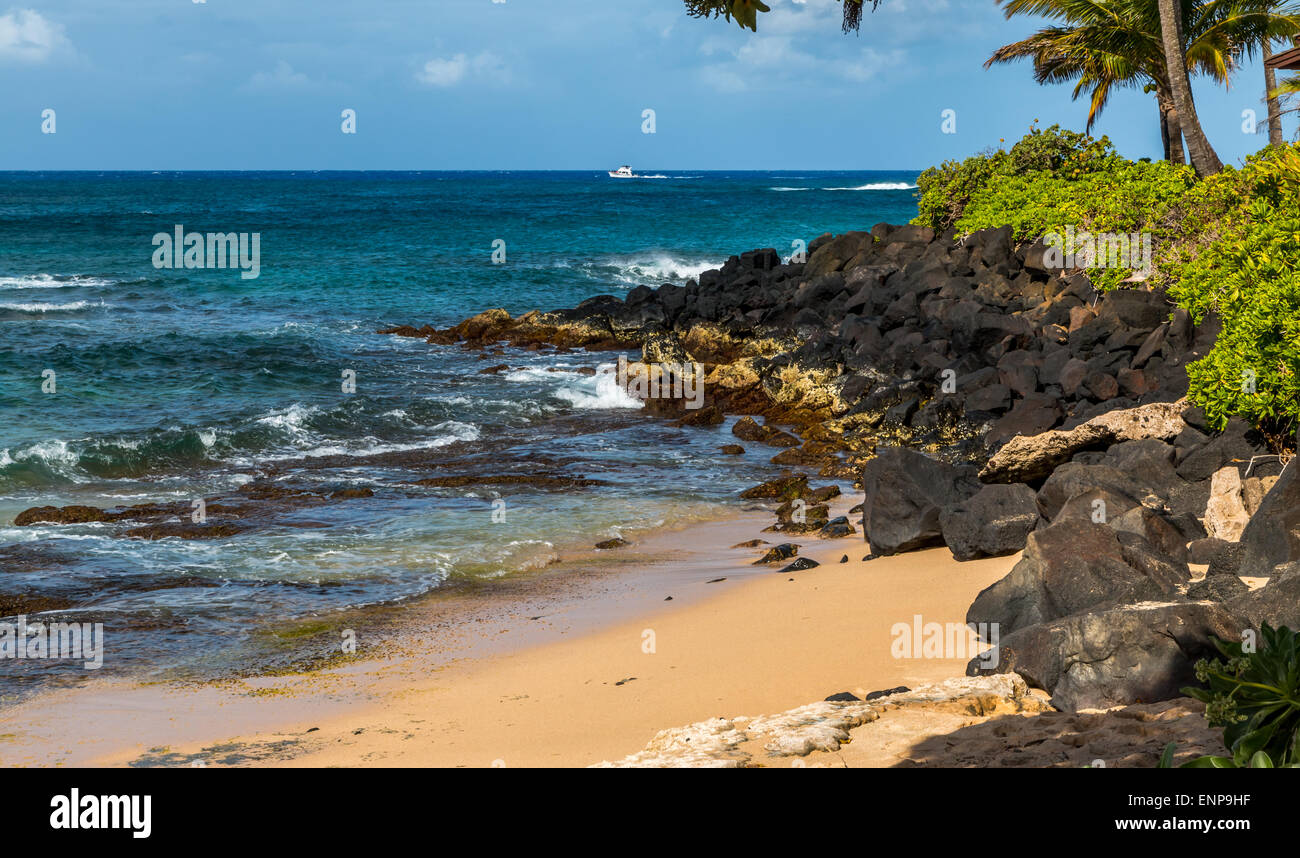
(174,384)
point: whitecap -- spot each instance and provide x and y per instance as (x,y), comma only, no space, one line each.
(47,307)
(650,268)
(50,281)
(878,186)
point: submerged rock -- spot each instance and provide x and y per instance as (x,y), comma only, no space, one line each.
(60,515)
(184,530)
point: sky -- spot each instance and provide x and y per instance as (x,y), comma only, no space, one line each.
(536,85)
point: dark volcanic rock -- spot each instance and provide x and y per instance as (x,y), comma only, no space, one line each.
(837,528)
(801,564)
(13,605)
(748,429)
(1276,603)
(1099,506)
(906,492)
(1273,536)
(993,523)
(887,692)
(1116,656)
(1234,446)
(352,494)
(1070,567)
(1227,561)
(60,515)
(775,555)
(1075,478)
(1204,551)
(1154,529)
(1219,588)
(782,488)
(184,530)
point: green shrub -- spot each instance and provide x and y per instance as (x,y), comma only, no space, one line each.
(1229,245)
(944,191)
(1247,274)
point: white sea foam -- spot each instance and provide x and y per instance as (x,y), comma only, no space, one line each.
(876,186)
(47,307)
(598,392)
(589,393)
(49,281)
(879,186)
(55,454)
(652,268)
(292,421)
(534,373)
(453,430)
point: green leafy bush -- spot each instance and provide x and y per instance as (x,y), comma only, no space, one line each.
(1050,179)
(1255,697)
(945,191)
(1229,245)
(1248,275)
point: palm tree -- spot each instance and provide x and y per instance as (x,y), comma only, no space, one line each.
(1105,44)
(1270,93)
(745,12)
(1204,159)
(1100,46)
(1281,11)
(1256,24)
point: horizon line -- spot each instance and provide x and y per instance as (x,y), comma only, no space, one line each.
(443,170)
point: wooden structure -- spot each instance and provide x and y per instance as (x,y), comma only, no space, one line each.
(1288,60)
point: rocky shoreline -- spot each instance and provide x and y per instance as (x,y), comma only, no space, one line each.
(978,399)
(982,400)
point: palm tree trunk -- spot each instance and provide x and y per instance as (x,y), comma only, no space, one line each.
(1171,132)
(1274,105)
(1204,158)
(1164,133)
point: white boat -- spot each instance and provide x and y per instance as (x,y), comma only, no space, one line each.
(624,172)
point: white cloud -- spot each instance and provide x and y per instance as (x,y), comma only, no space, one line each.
(281,77)
(453,70)
(448,72)
(28,37)
(797,44)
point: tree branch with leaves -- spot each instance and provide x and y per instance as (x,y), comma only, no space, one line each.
(746,12)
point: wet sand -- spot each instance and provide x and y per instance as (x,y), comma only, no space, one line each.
(569,669)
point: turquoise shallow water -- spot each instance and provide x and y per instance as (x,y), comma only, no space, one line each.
(174,384)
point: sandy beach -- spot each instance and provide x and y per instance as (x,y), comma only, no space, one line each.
(605,664)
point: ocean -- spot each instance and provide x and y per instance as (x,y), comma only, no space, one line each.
(124,383)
